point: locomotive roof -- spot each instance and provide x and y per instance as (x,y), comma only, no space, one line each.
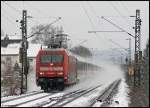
(82,59)
(58,49)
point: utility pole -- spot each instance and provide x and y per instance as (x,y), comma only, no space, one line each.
(24,50)
(137,37)
(24,46)
(138,52)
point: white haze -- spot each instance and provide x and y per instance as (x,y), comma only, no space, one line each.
(87,78)
(107,74)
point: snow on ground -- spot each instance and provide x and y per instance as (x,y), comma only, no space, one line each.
(87,99)
(24,99)
(31,80)
(39,101)
(108,74)
(105,76)
(122,96)
(15,96)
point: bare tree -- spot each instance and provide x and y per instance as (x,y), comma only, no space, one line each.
(45,36)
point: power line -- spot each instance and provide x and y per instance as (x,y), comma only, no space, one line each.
(37,22)
(12,7)
(87,14)
(92,22)
(9,20)
(96,15)
(44,28)
(115,16)
(88,17)
(9,14)
(38,10)
(92,9)
(113,23)
(115,8)
(118,27)
(127,10)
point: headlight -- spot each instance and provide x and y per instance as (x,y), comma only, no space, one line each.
(41,73)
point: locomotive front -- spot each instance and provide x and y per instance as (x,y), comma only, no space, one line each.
(50,69)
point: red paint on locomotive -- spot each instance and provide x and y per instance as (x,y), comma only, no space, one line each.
(55,66)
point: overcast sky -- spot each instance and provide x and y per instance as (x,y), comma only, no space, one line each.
(75,19)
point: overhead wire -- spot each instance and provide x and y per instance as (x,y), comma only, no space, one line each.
(12,7)
(39,11)
(125,8)
(92,9)
(127,22)
(13,23)
(121,15)
(33,10)
(90,20)
(111,23)
(87,14)
(94,27)
(94,12)
(8,14)
(109,16)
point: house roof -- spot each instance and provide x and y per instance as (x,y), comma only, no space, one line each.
(9,51)
(15,37)
(13,49)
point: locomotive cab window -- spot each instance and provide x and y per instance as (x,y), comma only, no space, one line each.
(57,58)
(52,59)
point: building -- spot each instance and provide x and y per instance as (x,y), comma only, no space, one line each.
(11,68)
(5,41)
(10,73)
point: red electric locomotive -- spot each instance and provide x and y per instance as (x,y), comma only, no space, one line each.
(55,68)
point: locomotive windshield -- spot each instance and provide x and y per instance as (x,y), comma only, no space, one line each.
(52,59)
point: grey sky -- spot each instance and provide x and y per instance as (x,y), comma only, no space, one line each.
(75,21)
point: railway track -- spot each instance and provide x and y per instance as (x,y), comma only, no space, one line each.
(102,97)
(14,102)
(57,99)
(67,99)
(40,99)
(21,96)
(106,94)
